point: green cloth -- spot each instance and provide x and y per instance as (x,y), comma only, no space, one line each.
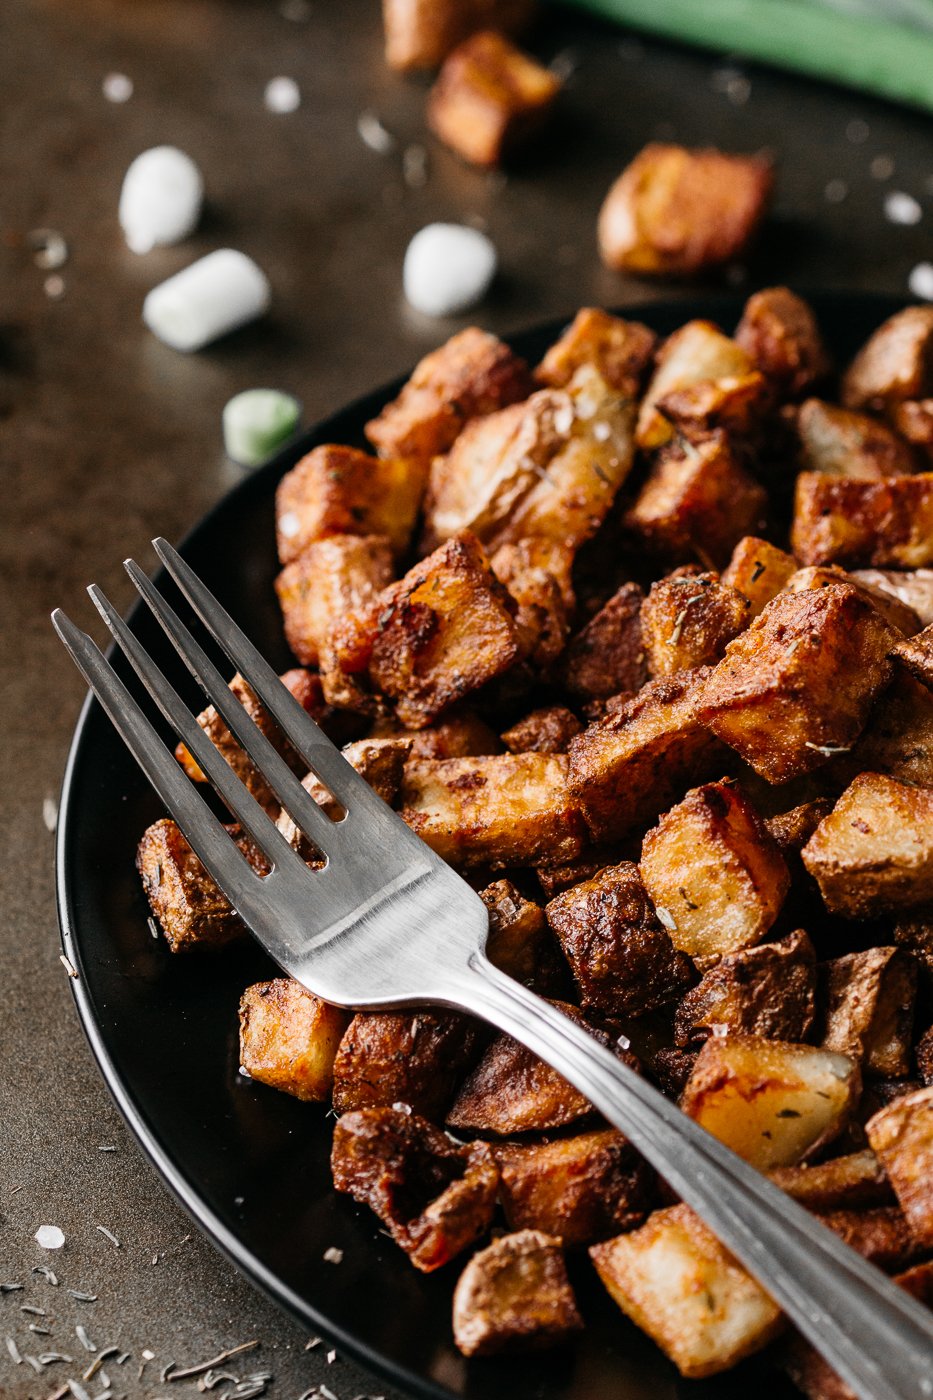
(884,47)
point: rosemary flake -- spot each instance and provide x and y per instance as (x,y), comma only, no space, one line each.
(333,1255)
(46,1273)
(84,1339)
(28,1307)
(203,1366)
(68,965)
(11,1287)
(86,1297)
(828,749)
(110,1236)
(666,918)
(13,1349)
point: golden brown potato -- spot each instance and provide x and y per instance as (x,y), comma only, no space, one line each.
(714,873)
(421,33)
(896,363)
(434,1197)
(696,503)
(900,616)
(607,656)
(914,931)
(629,766)
(581,1189)
(882,1236)
(620,350)
(289,1038)
(515,1296)
(914,587)
(792,829)
(536,573)
(688,619)
(512,809)
(460,734)
(518,941)
(843,1183)
(489,99)
(674,212)
(874,852)
(897,739)
(768,991)
(380,761)
(332,576)
(797,685)
(869,999)
(543,731)
(840,442)
(188,906)
(697,353)
(902,1137)
(472,374)
(734,405)
(414,1057)
(342,491)
(779,331)
(677,1283)
(915,654)
(622,959)
(913,420)
(772,1102)
(758,570)
(887,523)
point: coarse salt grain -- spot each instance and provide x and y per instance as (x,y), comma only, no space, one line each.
(374,135)
(901,208)
(49,1237)
(448,268)
(117,87)
(282,95)
(333,1255)
(161,199)
(920,281)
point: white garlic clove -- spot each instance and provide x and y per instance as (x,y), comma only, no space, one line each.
(448,268)
(214,295)
(161,198)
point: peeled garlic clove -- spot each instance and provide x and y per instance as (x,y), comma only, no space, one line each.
(256,422)
(161,198)
(448,268)
(214,295)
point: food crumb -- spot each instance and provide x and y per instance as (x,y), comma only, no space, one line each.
(50,813)
(901,208)
(282,95)
(373,134)
(920,281)
(117,87)
(333,1255)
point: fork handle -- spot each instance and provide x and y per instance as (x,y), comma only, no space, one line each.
(878,1338)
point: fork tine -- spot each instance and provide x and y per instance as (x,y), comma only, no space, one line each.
(254,821)
(315,823)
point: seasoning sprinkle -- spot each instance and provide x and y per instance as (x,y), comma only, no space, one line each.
(203,1366)
(48,1357)
(110,1236)
(39,1331)
(13,1349)
(46,1273)
(85,1297)
(212,1378)
(84,1339)
(828,749)
(310,1344)
(373,134)
(153,927)
(333,1255)
(78,1390)
(108,1149)
(34,1362)
(11,1287)
(678,627)
(666,918)
(68,965)
(27,1307)
(50,813)
(331,1357)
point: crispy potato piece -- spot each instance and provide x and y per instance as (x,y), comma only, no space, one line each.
(342,491)
(289,1038)
(189,907)
(852,1182)
(688,619)
(620,350)
(536,573)
(514,1295)
(900,616)
(923,1054)
(869,1001)
(380,761)
(895,363)
(792,829)
(548,730)
(331,577)
(556,878)
(779,331)
(758,570)
(434,1197)
(797,685)
(882,1236)
(512,809)
(839,442)
(915,654)
(581,1189)
(772,1102)
(697,353)
(512,1091)
(608,656)
(472,374)
(887,523)
(629,766)
(914,931)
(914,587)
(518,942)
(460,734)
(897,740)
(674,212)
(874,852)
(489,99)
(622,959)
(734,405)
(677,1283)
(913,420)
(902,1137)
(713,872)
(415,1057)
(672,1067)
(421,33)
(768,991)
(697,502)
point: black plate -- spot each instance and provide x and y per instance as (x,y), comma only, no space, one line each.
(251,1164)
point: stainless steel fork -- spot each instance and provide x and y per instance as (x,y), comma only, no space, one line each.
(386,923)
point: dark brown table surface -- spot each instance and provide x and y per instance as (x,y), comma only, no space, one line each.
(107,438)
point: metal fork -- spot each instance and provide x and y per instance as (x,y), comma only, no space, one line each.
(386,923)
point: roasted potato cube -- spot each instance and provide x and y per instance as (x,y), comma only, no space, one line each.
(331,577)
(518,942)
(581,1189)
(672,1067)
(697,503)
(913,420)
(840,442)
(460,734)
(869,1001)
(289,1038)
(471,375)
(543,731)
(914,931)
(489,98)
(895,363)
(512,1091)
(380,761)
(915,654)
(713,872)
(697,353)
(840,521)
(768,991)
(914,587)
(536,573)
(843,1183)
(772,1102)
(622,959)
(630,765)
(434,1197)
(512,809)
(515,1296)
(608,657)
(874,852)
(415,1057)
(735,405)
(190,909)
(779,331)
(556,878)
(421,33)
(620,350)
(677,1283)
(882,1236)
(674,212)
(902,1138)
(900,616)
(796,686)
(758,570)
(342,491)
(896,741)
(688,619)
(792,830)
